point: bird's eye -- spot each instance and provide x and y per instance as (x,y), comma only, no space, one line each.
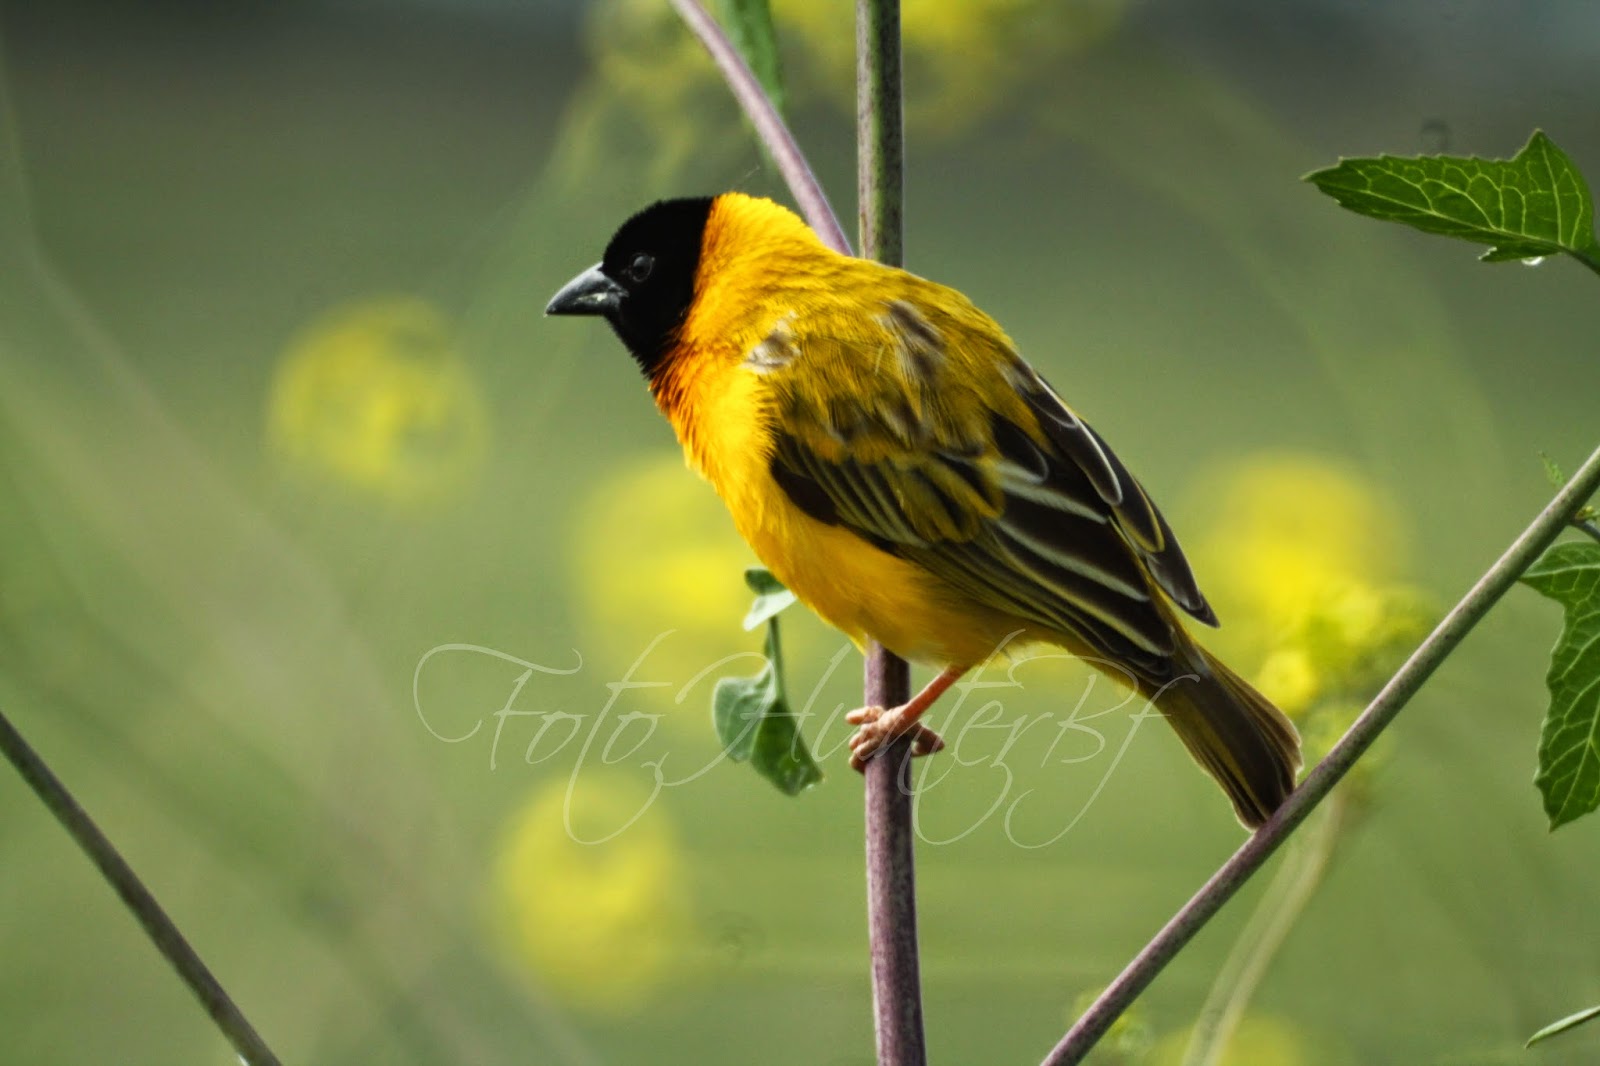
(640,268)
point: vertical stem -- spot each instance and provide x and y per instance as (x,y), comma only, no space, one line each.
(252,1050)
(891,869)
(880,137)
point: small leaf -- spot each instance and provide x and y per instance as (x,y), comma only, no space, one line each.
(771,596)
(1552,472)
(754,723)
(1571,1021)
(1534,204)
(749,27)
(1569,744)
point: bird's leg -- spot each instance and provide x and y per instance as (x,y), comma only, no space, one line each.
(879,726)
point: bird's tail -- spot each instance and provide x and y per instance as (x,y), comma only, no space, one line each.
(1234,733)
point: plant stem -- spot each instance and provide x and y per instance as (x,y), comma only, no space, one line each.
(770,127)
(891,872)
(252,1050)
(891,878)
(1285,900)
(1232,875)
(1586,525)
(880,137)
(891,865)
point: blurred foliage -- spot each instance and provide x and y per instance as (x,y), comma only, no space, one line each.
(1307,555)
(748,24)
(964,59)
(376,396)
(1128,1042)
(1260,1040)
(671,577)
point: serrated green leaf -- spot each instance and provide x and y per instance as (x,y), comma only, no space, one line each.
(1569,744)
(749,26)
(771,596)
(754,724)
(1534,204)
(1571,1021)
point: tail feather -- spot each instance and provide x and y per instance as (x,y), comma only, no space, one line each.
(1234,733)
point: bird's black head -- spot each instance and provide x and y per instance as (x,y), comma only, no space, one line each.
(645,283)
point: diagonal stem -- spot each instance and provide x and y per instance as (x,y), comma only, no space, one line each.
(770,127)
(252,1050)
(1232,875)
(1292,887)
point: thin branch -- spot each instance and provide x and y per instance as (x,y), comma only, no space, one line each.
(1200,909)
(770,127)
(1587,525)
(157,925)
(891,866)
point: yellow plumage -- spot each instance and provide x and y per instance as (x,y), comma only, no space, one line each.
(893,460)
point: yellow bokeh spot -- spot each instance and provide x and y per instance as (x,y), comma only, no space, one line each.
(1302,557)
(657,552)
(1287,534)
(375,396)
(962,57)
(1259,1040)
(591,894)
(1289,680)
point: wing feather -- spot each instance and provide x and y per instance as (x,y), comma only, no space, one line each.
(1006,495)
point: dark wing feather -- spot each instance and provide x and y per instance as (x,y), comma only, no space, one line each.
(1007,496)
(1131,508)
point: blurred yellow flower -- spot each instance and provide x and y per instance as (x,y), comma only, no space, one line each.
(375,396)
(962,57)
(1289,679)
(591,894)
(1287,533)
(656,551)
(1258,1041)
(1301,557)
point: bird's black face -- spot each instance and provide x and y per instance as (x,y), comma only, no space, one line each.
(645,283)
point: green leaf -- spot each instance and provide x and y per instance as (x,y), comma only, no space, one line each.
(1552,472)
(1534,204)
(1569,744)
(749,27)
(771,596)
(1571,1021)
(754,723)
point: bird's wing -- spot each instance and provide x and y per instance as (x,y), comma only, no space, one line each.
(928,437)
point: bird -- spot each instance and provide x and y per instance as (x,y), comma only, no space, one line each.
(890,457)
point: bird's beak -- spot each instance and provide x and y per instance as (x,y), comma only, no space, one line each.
(590,293)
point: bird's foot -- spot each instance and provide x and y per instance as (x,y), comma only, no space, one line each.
(879,726)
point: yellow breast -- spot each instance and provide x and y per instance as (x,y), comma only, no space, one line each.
(720,411)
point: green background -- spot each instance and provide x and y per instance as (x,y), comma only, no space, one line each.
(213,639)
